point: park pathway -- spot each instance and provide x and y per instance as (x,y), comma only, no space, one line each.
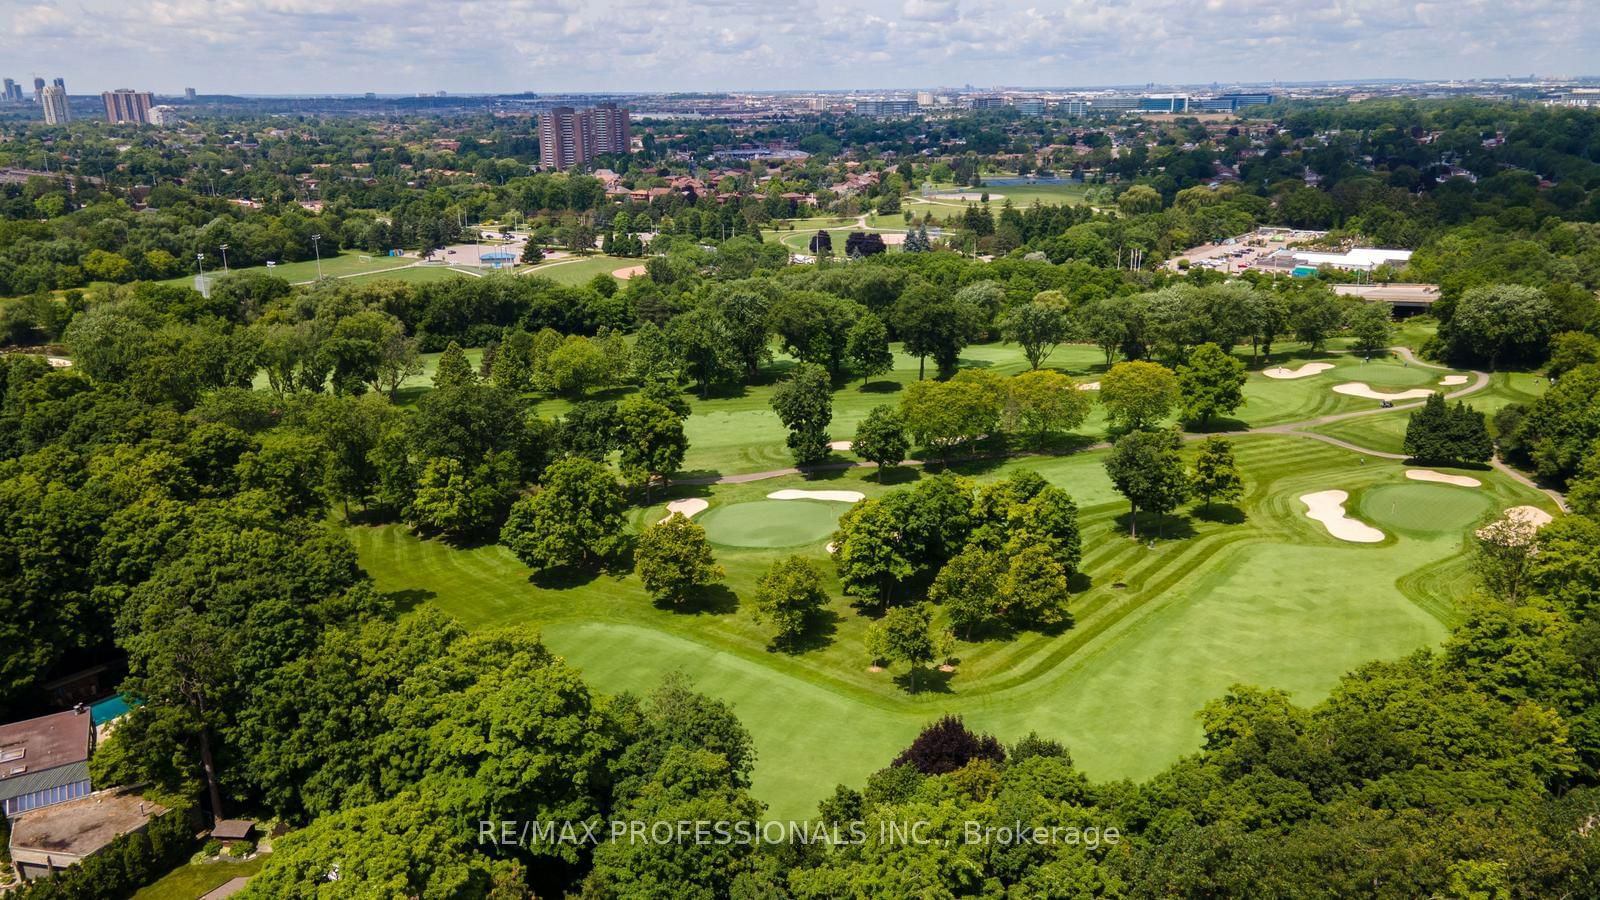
(1479,382)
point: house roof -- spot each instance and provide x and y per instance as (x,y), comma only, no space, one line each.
(81,827)
(34,745)
(233,829)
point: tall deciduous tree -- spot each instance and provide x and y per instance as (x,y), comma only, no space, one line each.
(867,345)
(652,440)
(1044,403)
(674,559)
(881,438)
(575,519)
(1210,384)
(1145,467)
(1039,326)
(906,634)
(789,596)
(804,403)
(1138,394)
(1216,475)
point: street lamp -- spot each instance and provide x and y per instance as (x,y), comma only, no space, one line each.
(200,260)
(317,248)
(224,249)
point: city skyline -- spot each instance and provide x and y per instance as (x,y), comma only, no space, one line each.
(624,45)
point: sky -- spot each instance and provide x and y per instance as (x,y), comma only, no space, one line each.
(505,46)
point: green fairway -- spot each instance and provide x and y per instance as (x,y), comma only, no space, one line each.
(1275,401)
(772,523)
(1259,594)
(1421,508)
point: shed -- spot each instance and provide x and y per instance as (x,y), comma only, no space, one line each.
(229,830)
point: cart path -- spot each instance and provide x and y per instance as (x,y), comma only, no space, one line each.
(1479,382)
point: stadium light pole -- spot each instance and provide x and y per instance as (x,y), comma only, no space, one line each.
(316,247)
(224,249)
(200,260)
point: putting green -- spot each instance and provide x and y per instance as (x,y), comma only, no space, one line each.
(772,523)
(1423,508)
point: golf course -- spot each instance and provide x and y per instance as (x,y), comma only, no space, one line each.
(1254,591)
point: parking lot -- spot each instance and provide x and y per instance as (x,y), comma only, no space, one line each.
(1237,254)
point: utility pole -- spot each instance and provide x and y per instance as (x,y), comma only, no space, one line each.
(317,248)
(224,249)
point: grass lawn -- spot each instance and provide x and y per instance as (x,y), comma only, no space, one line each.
(194,880)
(1257,593)
(578,270)
(416,275)
(299,272)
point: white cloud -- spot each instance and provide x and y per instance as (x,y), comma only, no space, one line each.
(552,45)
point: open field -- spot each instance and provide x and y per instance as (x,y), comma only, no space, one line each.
(1259,594)
(300,272)
(579,270)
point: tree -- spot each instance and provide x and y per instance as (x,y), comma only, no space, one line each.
(790,595)
(1314,316)
(1146,468)
(905,634)
(1441,434)
(574,520)
(402,847)
(700,339)
(944,415)
(1503,556)
(870,551)
(867,346)
(1138,394)
(744,314)
(1039,326)
(1035,586)
(459,500)
(1138,200)
(652,357)
(968,588)
(652,440)
(1569,350)
(804,403)
(1495,321)
(673,559)
(1216,476)
(931,324)
(1211,383)
(453,370)
(589,429)
(1369,324)
(947,745)
(881,438)
(531,253)
(1044,403)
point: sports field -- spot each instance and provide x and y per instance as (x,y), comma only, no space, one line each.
(1255,593)
(303,272)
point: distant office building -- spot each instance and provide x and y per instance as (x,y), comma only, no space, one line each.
(1166,103)
(1075,108)
(13,91)
(163,116)
(571,137)
(1113,104)
(38,90)
(59,82)
(188,93)
(886,108)
(925,98)
(988,102)
(1032,107)
(55,105)
(1231,102)
(126,105)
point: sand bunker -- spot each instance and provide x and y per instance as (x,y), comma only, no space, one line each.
(1531,514)
(627,272)
(688,507)
(1453,379)
(59,362)
(1327,507)
(1089,386)
(841,496)
(1360,389)
(839,445)
(832,547)
(968,196)
(1302,372)
(1442,478)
